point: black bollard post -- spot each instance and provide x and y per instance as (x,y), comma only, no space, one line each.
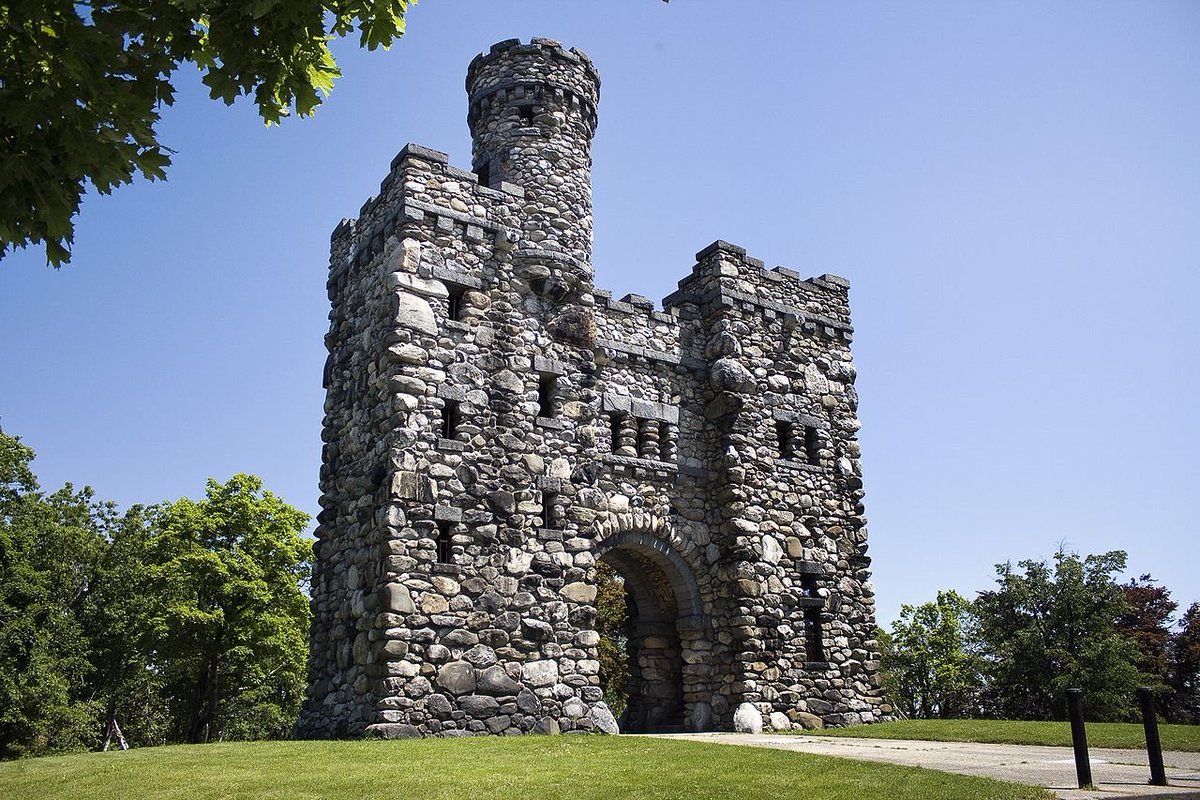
(1083,765)
(1158,773)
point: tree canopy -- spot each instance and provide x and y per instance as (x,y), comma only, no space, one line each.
(234,619)
(1051,627)
(82,84)
(1045,627)
(185,621)
(1184,674)
(931,667)
(48,546)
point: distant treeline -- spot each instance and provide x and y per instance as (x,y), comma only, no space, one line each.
(1014,651)
(185,621)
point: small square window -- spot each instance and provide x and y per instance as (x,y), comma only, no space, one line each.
(525,114)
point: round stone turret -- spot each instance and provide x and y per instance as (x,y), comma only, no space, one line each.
(532,115)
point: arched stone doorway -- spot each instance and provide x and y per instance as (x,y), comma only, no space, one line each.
(668,663)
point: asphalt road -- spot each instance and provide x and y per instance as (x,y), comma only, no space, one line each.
(1117,773)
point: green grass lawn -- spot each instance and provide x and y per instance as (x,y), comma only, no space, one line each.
(550,767)
(1099,734)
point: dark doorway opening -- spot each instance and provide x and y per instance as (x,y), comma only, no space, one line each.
(646,645)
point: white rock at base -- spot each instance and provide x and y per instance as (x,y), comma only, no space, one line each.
(747,719)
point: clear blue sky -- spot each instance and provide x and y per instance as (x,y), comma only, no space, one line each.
(1012,188)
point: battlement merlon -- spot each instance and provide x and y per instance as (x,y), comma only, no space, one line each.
(726,276)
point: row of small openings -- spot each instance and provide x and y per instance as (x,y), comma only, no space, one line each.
(550,518)
(639,437)
(547,393)
(798,441)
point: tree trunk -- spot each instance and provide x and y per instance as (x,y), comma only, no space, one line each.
(114,730)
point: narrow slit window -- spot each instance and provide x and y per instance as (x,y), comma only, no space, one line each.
(550,510)
(547,390)
(455,302)
(616,420)
(812,446)
(814,644)
(445,530)
(450,419)
(783,431)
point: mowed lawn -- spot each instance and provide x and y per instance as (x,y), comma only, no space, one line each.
(578,767)
(1057,734)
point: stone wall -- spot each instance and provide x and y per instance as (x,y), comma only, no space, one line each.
(495,425)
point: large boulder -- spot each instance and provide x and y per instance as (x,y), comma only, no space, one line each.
(747,719)
(539,673)
(728,375)
(494,680)
(415,314)
(605,722)
(806,720)
(457,677)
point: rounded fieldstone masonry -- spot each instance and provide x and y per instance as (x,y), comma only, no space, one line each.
(495,426)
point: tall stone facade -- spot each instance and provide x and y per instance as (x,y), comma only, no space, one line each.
(495,426)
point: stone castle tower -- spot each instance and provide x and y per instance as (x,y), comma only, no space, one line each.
(495,426)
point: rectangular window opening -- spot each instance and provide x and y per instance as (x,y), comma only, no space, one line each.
(812,446)
(525,114)
(445,530)
(550,510)
(547,390)
(484,173)
(455,302)
(813,637)
(783,431)
(451,416)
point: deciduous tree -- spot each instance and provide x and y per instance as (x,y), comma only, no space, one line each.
(929,666)
(1147,621)
(82,84)
(228,573)
(1047,628)
(48,546)
(1184,675)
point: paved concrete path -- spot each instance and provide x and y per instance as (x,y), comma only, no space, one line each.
(1118,773)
